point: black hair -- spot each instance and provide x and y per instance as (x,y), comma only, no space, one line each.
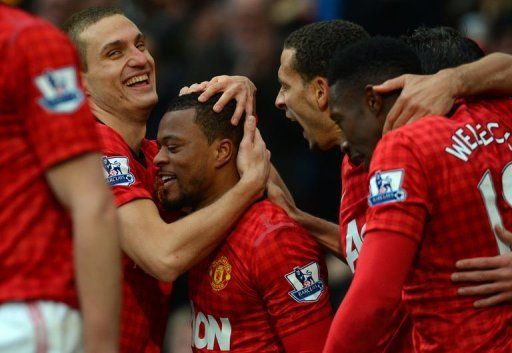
(80,21)
(372,61)
(315,44)
(441,48)
(214,125)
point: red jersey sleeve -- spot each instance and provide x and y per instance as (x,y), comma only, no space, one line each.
(292,278)
(128,177)
(57,118)
(398,199)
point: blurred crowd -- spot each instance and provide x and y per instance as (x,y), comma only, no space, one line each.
(194,40)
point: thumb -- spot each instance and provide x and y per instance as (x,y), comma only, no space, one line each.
(390,85)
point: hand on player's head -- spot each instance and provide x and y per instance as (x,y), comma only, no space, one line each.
(239,88)
(253,160)
(421,95)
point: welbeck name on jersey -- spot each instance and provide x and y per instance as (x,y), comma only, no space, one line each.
(469,138)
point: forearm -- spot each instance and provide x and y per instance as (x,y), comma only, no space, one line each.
(324,232)
(97,266)
(490,75)
(167,250)
(365,313)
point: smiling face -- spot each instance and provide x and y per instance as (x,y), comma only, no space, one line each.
(359,115)
(186,161)
(298,99)
(120,75)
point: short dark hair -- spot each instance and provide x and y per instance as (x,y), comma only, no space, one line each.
(214,125)
(372,61)
(441,48)
(315,44)
(80,21)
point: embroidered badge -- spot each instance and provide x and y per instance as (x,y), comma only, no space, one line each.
(117,171)
(59,90)
(306,283)
(220,273)
(386,187)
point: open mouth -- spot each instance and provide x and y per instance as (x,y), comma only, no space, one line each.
(167,179)
(138,81)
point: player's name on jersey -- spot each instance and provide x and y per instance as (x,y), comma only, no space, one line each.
(468,138)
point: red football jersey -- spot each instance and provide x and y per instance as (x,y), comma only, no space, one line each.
(353,207)
(445,183)
(44,120)
(264,282)
(145,299)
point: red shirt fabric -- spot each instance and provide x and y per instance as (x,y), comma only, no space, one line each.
(442,184)
(266,281)
(145,304)
(44,120)
(353,207)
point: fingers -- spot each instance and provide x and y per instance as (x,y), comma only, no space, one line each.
(391,85)
(482,263)
(497,299)
(249,130)
(227,96)
(211,89)
(484,289)
(196,87)
(477,276)
(504,235)
(393,115)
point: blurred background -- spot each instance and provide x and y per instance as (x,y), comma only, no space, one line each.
(194,40)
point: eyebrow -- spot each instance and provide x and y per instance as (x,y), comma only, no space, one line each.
(117,43)
(170,137)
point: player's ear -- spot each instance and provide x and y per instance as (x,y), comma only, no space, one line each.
(85,83)
(224,152)
(373,100)
(321,88)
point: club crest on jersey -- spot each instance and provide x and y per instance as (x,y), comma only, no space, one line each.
(386,187)
(220,273)
(306,283)
(59,90)
(117,171)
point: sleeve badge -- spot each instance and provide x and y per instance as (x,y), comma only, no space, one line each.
(386,187)
(117,171)
(59,90)
(308,286)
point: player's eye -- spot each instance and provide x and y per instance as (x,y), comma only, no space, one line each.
(141,46)
(172,148)
(114,53)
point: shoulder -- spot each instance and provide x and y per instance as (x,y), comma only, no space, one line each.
(111,141)
(267,223)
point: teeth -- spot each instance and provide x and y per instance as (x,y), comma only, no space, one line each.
(166,178)
(136,79)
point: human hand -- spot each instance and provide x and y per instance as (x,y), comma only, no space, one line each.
(492,275)
(239,88)
(253,159)
(421,95)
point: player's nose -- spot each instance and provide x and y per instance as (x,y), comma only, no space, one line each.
(161,158)
(279,103)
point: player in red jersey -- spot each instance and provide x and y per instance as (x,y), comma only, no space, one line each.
(119,77)
(420,218)
(54,201)
(263,289)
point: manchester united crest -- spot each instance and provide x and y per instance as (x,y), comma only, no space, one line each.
(220,273)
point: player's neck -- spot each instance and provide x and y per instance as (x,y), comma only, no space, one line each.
(223,182)
(132,129)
